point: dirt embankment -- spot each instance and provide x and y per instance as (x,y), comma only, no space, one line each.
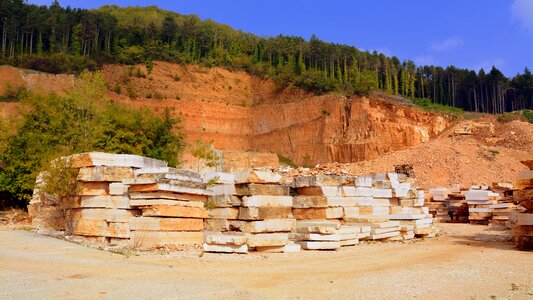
(491,154)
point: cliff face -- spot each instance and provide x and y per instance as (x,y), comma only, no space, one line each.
(328,128)
(237,111)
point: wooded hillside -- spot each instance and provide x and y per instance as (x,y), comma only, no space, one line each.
(57,39)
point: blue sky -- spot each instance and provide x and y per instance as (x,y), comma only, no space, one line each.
(465,33)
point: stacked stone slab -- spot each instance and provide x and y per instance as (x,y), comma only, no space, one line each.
(480,205)
(126,200)
(222,206)
(317,234)
(439,206)
(374,205)
(408,208)
(258,207)
(522,229)
(172,205)
(457,205)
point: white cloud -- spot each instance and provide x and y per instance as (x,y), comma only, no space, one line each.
(422,60)
(487,64)
(522,10)
(447,44)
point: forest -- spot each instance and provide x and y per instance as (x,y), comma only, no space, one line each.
(69,40)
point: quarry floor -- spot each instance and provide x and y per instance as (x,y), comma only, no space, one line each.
(455,265)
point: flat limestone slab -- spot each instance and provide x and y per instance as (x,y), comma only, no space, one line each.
(316,226)
(273,225)
(348,236)
(152,239)
(317,237)
(524,219)
(363,235)
(167,195)
(100,228)
(307,245)
(230,213)
(216,225)
(407,217)
(174,211)
(261,201)
(102,214)
(363,181)
(318,213)
(398,210)
(267,239)
(222,189)
(225,239)
(92,159)
(93,188)
(374,211)
(384,235)
(322,180)
(150,202)
(116,174)
(349,229)
(310,201)
(367,219)
(256,176)
(335,191)
(370,201)
(417,222)
(262,189)
(262,213)
(117,188)
(226,248)
(165,187)
(382,193)
(166,224)
(289,248)
(116,202)
(408,236)
(350,242)
(223,201)
(341,201)
(385,230)
(351,212)
(218,177)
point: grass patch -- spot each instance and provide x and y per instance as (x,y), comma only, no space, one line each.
(286,161)
(528,114)
(427,104)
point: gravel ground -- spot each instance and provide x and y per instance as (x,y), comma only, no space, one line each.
(457,265)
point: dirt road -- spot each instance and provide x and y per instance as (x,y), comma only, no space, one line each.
(454,266)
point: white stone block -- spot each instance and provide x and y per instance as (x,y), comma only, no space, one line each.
(226,248)
(260,201)
(307,245)
(117,188)
(363,181)
(381,193)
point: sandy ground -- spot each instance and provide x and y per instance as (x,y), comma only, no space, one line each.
(453,266)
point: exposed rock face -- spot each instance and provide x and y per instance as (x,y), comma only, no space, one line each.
(330,128)
(238,111)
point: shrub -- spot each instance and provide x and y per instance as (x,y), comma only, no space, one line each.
(83,120)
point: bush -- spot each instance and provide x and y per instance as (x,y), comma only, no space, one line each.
(83,120)
(528,114)
(427,104)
